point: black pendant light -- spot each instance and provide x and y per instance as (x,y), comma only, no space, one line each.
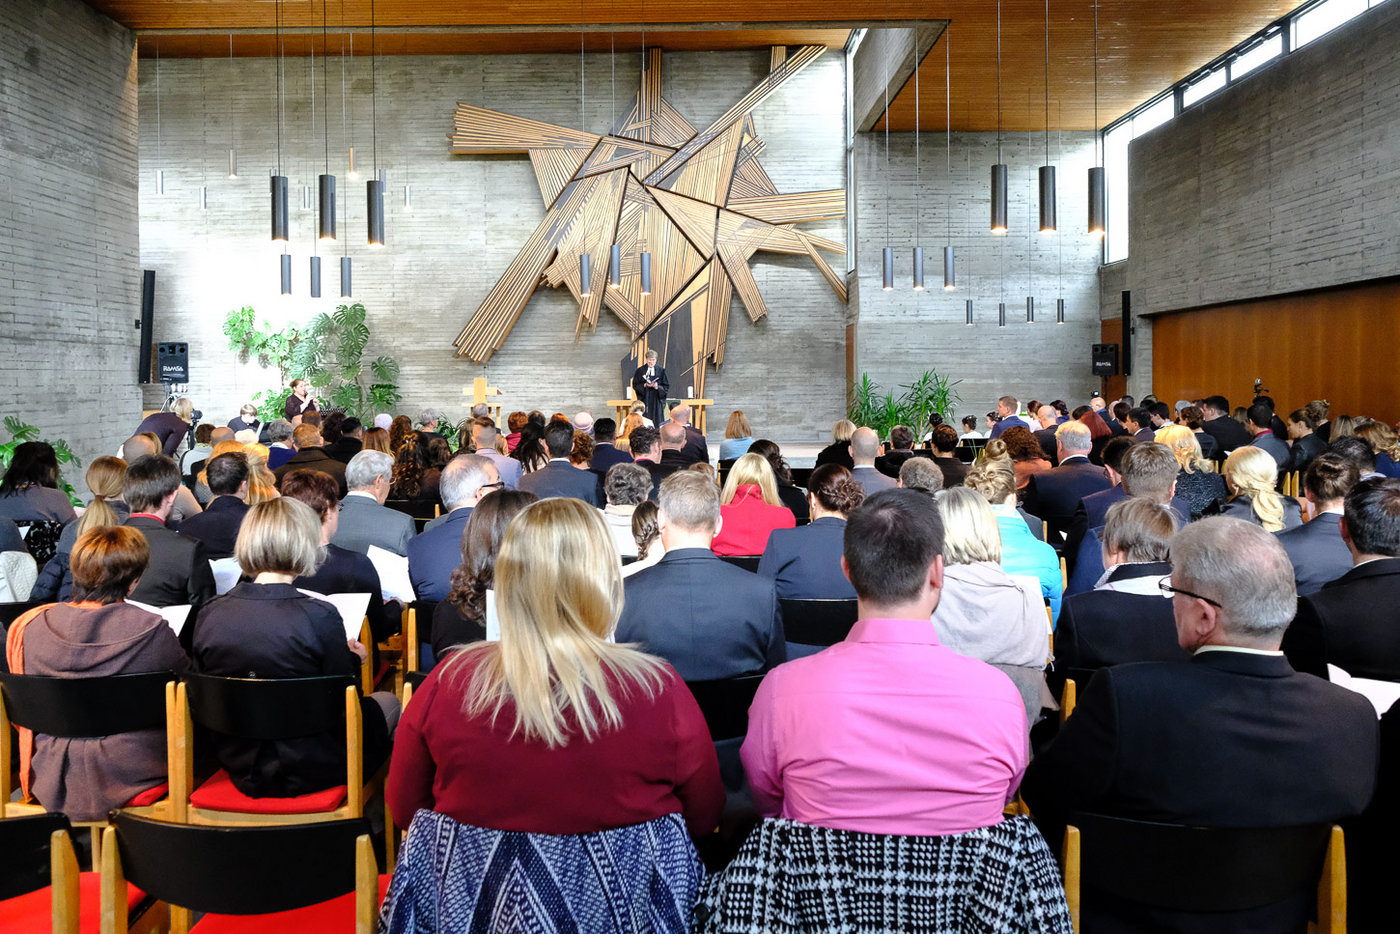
(918,271)
(969,312)
(1030,309)
(585,276)
(888,265)
(279,181)
(345,291)
(615,267)
(1001,314)
(326,181)
(950,277)
(374,188)
(1059,311)
(286,259)
(1047,171)
(315,277)
(1098,204)
(646,273)
(999,173)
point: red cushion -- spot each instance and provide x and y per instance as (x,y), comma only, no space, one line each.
(219,794)
(334,917)
(150,796)
(34,912)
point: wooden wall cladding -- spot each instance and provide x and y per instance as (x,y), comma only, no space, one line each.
(1339,344)
(1111,332)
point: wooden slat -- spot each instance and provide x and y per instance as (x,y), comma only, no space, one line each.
(793,208)
(553,169)
(478,130)
(707,173)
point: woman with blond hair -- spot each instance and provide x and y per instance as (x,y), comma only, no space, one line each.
(376,439)
(1250,476)
(1196,483)
(737,437)
(624,436)
(1383,440)
(1319,410)
(105,476)
(750,508)
(554,729)
(839,450)
(1022,553)
(262,482)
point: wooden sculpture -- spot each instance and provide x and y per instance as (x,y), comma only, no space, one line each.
(697,200)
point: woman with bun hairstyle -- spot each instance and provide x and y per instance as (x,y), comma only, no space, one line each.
(105,476)
(805,562)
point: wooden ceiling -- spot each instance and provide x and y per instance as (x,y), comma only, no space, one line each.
(1143,46)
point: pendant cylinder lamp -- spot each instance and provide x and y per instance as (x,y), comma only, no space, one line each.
(969,312)
(315,277)
(615,267)
(950,272)
(918,269)
(1001,314)
(999,198)
(232,163)
(1047,199)
(1030,309)
(646,273)
(585,275)
(888,254)
(1059,311)
(327,206)
(374,196)
(201,198)
(286,273)
(279,207)
(345,277)
(1097,203)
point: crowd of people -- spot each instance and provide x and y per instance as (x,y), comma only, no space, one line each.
(574,574)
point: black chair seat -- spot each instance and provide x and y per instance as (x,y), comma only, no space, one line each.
(725,704)
(77,708)
(747,562)
(818,622)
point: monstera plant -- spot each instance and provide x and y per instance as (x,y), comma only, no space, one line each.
(20,433)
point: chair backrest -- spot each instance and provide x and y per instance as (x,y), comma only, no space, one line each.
(747,562)
(1197,868)
(9,612)
(818,622)
(238,870)
(725,703)
(25,854)
(78,708)
(268,708)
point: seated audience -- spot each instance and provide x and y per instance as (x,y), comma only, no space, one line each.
(1354,621)
(1154,477)
(483,440)
(865,447)
(1127,617)
(202,493)
(647,534)
(1026,455)
(792,495)
(1355,450)
(581,454)
(624,434)
(1318,410)
(707,618)
(561,477)
(626,487)
(246,420)
(1316,549)
(400,428)
(105,477)
(673,455)
(217,526)
(1251,480)
(178,572)
(1196,485)
(1157,741)
(554,729)
(1304,442)
(1259,420)
(515,421)
(340,570)
(1101,434)
(1006,417)
(409,466)
(970,432)
(1386,445)
(311,453)
(605,451)
(1227,431)
(939,738)
(1052,495)
(29,491)
(364,519)
(186,504)
(96,635)
(839,450)
(350,442)
(279,443)
(436,454)
(945,445)
(749,508)
(645,445)
(737,437)
(530,450)
(921,474)
(171,428)
(805,563)
(1192,418)
(432,556)
(1022,554)
(695,448)
(461,618)
(262,483)
(267,628)
(901,449)
(203,445)
(376,439)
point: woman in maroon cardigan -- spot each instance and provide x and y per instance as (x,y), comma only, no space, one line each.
(553,729)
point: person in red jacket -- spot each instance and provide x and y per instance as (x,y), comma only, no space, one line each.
(750,508)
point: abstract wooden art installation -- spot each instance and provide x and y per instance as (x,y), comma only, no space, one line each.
(698,201)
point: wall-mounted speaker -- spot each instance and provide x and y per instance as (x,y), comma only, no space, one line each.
(1104,361)
(173,362)
(1127,333)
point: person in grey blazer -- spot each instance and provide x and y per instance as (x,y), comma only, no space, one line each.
(560,477)
(483,442)
(865,445)
(1316,549)
(1259,420)
(709,619)
(364,519)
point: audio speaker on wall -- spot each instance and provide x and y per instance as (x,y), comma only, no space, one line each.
(173,361)
(148,307)
(1127,364)
(1104,362)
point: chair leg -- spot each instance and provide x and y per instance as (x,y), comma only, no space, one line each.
(1332,888)
(1071,869)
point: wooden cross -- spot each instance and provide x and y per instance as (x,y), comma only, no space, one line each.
(479,392)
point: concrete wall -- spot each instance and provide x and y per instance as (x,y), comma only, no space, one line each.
(902,332)
(470,216)
(1288,181)
(69,275)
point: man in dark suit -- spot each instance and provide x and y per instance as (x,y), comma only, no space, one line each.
(1316,549)
(435,554)
(1257,425)
(1354,622)
(217,526)
(1139,425)
(645,444)
(364,519)
(179,571)
(709,619)
(865,446)
(483,442)
(902,448)
(673,454)
(945,446)
(1228,433)
(650,384)
(1054,495)
(560,477)
(1007,407)
(1234,738)
(351,440)
(605,452)
(695,449)
(1045,436)
(311,455)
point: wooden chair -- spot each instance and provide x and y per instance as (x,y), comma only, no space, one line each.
(1064,576)
(265,709)
(1069,699)
(725,703)
(817,622)
(1171,866)
(299,877)
(81,708)
(747,562)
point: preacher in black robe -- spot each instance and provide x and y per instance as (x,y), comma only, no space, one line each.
(649,386)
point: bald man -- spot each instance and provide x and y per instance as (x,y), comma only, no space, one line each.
(865,447)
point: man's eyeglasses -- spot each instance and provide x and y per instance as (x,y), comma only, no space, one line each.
(1165,585)
(493,486)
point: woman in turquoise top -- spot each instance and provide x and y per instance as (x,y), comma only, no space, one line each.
(1021,552)
(737,437)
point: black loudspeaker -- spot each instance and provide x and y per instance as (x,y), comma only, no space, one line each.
(173,362)
(1127,333)
(1105,360)
(148,310)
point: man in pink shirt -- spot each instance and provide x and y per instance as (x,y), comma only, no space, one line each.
(888,732)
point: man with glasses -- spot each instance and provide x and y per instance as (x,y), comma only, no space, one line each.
(435,554)
(1233,738)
